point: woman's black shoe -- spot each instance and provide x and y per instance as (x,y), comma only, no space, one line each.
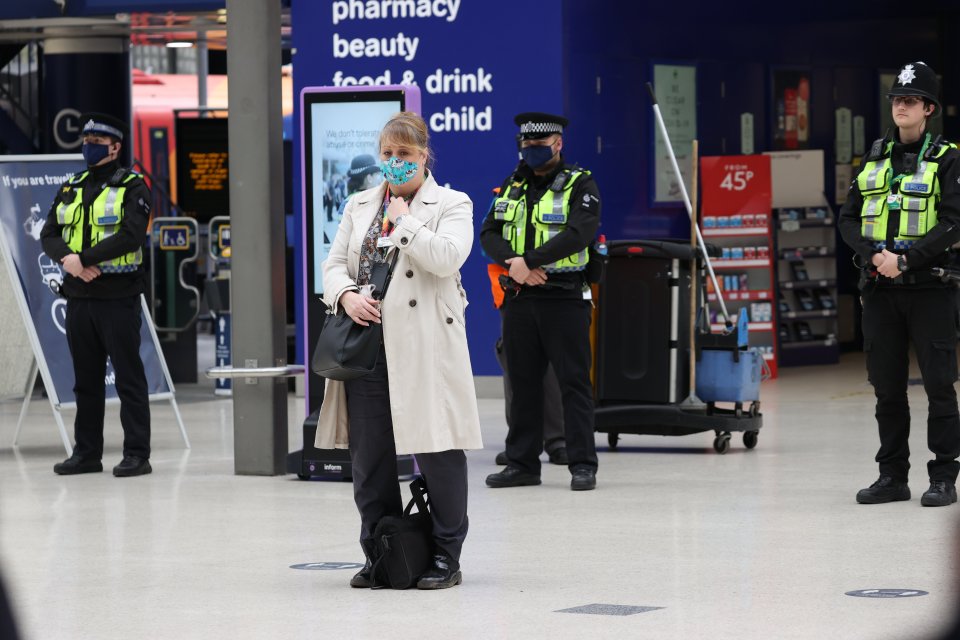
(363,579)
(444,573)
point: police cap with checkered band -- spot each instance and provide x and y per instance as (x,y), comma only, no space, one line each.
(103,124)
(534,125)
(917,79)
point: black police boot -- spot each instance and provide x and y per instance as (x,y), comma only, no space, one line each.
(885,489)
(584,479)
(940,494)
(443,573)
(132,466)
(559,456)
(75,464)
(363,579)
(502,459)
(512,477)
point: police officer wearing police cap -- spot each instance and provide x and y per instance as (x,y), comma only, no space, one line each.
(540,228)
(96,229)
(901,216)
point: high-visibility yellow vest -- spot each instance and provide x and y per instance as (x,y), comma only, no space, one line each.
(916,195)
(549,217)
(105,215)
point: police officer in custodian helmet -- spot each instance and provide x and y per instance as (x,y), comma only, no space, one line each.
(96,230)
(901,216)
(540,228)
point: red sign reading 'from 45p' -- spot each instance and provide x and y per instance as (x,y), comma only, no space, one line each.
(735,185)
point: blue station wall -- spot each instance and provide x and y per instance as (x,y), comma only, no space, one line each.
(461,45)
(591,60)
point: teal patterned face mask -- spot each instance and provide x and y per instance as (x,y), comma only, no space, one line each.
(398,171)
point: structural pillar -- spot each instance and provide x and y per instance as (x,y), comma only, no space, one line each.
(258,295)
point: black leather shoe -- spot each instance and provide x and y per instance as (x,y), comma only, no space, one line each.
(885,489)
(512,477)
(132,466)
(444,573)
(502,459)
(940,494)
(74,465)
(584,479)
(363,579)
(559,456)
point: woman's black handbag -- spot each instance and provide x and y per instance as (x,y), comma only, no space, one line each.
(346,350)
(404,545)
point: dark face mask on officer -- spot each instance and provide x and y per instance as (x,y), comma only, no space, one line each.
(538,155)
(96,148)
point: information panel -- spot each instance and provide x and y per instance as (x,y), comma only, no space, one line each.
(203,188)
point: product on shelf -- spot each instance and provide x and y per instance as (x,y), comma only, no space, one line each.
(785,335)
(791,214)
(799,270)
(782,303)
(806,300)
(817,213)
(825,299)
(802,330)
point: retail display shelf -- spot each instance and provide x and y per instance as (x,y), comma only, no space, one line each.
(739,264)
(793,225)
(808,315)
(751,326)
(763,294)
(795,254)
(800,344)
(807,284)
(719,232)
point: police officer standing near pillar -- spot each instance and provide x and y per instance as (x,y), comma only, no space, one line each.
(96,230)
(901,216)
(540,228)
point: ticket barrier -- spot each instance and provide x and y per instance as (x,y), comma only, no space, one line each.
(217,291)
(174,300)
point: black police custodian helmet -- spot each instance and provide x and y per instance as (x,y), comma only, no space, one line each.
(103,124)
(535,125)
(917,79)
(362,165)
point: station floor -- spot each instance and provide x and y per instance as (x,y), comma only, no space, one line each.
(677,541)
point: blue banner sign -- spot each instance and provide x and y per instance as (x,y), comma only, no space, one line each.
(27,189)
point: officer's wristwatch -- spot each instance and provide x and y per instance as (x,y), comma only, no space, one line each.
(399,218)
(902,263)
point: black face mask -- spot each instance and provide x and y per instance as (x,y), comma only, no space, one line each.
(536,156)
(94,153)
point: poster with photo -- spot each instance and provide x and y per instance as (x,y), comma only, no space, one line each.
(344,151)
(791,109)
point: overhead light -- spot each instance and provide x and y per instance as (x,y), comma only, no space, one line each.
(179,45)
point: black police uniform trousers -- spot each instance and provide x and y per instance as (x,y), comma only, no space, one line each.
(97,328)
(538,331)
(373,455)
(552,400)
(893,317)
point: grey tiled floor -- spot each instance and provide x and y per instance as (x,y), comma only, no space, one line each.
(752,544)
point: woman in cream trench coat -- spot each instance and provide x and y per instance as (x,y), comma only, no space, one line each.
(424,332)
(432,401)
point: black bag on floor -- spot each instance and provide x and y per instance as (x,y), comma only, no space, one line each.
(404,544)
